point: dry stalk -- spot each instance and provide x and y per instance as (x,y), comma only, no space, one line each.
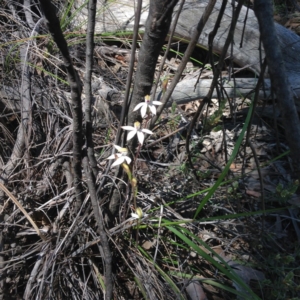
(19,205)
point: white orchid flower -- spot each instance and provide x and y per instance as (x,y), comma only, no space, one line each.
(136,130)
(120,157)
(148,103)
(139,214)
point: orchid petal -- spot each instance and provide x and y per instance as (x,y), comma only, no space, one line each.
(156,102)
(128,159)
(139,106)
(119,161)
(140,136)
(147,131)
(144,110)
(131,134)
(118,147)
(128,128)
(135,216)
(121,150)
(153,109)
(113,156)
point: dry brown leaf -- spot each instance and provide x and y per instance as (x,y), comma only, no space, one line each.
(195,291)
(148,244)
(246,274)
(39,68)
(219,250)
(233,166)
(253,193)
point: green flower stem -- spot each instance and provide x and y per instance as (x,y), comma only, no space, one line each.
(134,191)
(126,168)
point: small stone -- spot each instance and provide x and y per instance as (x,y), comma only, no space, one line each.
(193,254)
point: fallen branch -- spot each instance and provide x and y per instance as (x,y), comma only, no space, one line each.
(119,19)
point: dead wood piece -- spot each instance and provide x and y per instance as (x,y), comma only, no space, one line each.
(114,53)
(119,16)
(187,90)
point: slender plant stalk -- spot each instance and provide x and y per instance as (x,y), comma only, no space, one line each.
(89,162)
(22,209)
(101,230)
(92,7)
(156,30)
(162,63)
(264,12)
(114,201)
(185,59)
(75,85)
(217,73)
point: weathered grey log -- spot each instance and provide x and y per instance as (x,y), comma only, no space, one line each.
(118,16)
(187,90)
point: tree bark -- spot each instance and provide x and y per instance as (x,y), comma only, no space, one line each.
(88,87)
(157,27)
(186,57)
(89,161)
(279,79)
(75,85)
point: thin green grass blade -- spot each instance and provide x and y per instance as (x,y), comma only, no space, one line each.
(228,271)
(224,287)
(163,274)
(66,19)
(49,73)
(216,218)
(181,55)
(141,287)
(207,281)
(64,16)
(226,169)
(227,181)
